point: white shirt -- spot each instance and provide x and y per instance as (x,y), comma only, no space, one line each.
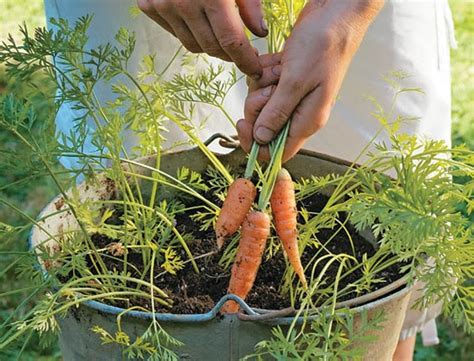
(411,36)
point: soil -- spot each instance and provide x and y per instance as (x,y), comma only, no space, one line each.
(197,293)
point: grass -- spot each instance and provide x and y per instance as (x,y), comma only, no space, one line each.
(454,344)
(463,73)
(34,195)
(15,12)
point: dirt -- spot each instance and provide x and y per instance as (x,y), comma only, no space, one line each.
(191,292)
(59,203)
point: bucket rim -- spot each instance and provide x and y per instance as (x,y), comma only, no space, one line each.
(255,316)
(252,314)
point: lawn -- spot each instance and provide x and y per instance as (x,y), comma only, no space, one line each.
(455,345)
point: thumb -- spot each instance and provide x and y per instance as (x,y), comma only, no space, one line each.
(252,16)
(278,110)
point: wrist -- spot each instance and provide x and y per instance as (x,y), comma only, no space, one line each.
(357,15)
(360,13)
(368,8)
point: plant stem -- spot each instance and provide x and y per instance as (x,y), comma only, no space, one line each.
(252,160)
(227,115)
(274,167)
(210,155)
(333,307)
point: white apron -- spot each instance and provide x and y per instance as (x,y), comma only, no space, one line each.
(409,35)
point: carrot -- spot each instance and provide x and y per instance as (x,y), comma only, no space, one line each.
(255,231)
(284,216)
(237,204)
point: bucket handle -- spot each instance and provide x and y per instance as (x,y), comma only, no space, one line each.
(267,316)
(248,314)
(225,141)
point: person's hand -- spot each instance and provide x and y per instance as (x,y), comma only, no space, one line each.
(213,27)
(303,81)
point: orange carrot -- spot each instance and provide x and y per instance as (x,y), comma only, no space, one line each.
(255,231)
(237,204)
(284,216)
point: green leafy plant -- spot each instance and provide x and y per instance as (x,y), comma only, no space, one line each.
(403,193)
(330,338)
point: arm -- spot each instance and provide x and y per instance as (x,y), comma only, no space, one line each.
(213,27)
(303,81)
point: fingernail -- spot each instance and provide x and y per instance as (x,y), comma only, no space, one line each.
(256,76)
(266,92)
(263,24)
(276,70)
(264,135)
(240,124)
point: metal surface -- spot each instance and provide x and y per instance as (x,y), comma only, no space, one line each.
(217,338)
(207,336)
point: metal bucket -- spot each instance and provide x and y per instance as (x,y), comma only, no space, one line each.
(208,336)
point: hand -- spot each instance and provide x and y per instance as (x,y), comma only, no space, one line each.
(303,81)
(213,27)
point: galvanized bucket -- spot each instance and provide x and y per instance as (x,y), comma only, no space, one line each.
(208,336)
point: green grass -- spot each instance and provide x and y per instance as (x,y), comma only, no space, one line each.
(463,73)
(15,12)
(455,345)
(34,195)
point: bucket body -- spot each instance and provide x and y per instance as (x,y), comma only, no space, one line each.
(208,336)
(216,338)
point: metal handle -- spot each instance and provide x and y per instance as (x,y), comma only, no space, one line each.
(268,316)
(248,314)
(225,141)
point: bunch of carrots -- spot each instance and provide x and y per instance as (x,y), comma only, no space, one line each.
(277,186)
(237,213)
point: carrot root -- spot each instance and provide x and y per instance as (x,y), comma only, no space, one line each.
(284,211)
(254,234)
(239,200)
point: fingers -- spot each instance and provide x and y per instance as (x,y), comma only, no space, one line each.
(227,27)
(270,76)
(255,102)
(147,7)
(252,16)
(271,64)
(288,94)
(212,26)
(184,34)
(165,14)
(245,133)
(310,115)
(270,59)
(201,29)
(253,105)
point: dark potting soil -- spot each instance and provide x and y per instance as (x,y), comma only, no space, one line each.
(197,293)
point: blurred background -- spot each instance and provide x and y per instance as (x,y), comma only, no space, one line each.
(32,197)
